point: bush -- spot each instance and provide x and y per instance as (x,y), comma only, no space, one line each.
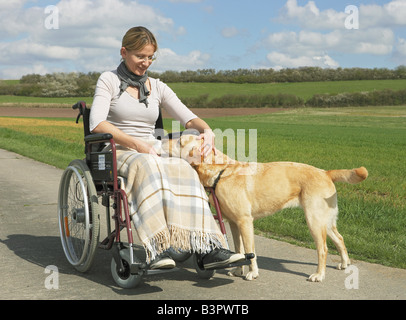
(246,101)
(55,85)
(373,98)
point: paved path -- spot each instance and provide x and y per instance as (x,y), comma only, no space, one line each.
(29,244)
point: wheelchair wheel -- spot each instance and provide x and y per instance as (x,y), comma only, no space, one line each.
(125,279)
(78,213)
(201,272)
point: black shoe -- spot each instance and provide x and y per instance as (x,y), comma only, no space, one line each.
(221,258)
(162,261)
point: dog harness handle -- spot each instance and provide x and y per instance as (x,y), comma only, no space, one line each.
(218,179)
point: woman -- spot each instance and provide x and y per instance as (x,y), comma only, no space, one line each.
(167,202)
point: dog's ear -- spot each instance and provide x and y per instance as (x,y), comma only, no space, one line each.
(182,140)
(195,157)
(185,139)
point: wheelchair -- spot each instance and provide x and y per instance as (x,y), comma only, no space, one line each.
(92,183)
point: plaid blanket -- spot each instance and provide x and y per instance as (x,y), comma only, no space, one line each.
(168,204)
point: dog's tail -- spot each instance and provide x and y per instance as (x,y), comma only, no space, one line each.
(350,176)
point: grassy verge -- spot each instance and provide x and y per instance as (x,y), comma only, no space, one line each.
(372,215)
(42,102)
(52,141)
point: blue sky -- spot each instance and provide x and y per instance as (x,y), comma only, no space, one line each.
(85,35)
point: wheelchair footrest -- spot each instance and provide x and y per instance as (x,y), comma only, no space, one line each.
(160,271)
(246,262)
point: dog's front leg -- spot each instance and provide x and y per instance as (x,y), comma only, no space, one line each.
(246,228)
(238,247)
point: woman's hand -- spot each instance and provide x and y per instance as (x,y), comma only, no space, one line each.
(208,142)
(206,134)
(143,147)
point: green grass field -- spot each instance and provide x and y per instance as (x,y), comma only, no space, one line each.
(304,90)
(372,215)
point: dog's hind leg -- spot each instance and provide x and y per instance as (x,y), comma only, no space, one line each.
(319,237)
(318,230)
(333,233)
(238,247)
(338,241)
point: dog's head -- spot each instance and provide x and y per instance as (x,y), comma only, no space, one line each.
(185,147)
(188,147)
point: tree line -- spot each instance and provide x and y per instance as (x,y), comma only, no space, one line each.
(303,74)
(83,85)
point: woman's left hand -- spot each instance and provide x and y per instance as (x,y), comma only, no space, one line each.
(208,142)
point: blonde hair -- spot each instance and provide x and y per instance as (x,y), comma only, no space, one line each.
(137,38)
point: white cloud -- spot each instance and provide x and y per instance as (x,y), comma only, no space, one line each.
(88,37)
(399,54)
(169,60)
(34,51)
(310,17)
(323,34)
(343,41)
(389,15)
(15,72)
(281,60)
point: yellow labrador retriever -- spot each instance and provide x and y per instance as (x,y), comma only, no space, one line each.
(248,191)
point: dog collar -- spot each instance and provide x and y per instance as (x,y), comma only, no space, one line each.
(218,179)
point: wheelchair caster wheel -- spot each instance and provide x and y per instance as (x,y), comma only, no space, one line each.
(124,278)
(202,273)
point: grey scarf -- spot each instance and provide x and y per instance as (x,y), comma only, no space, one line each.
(129,78)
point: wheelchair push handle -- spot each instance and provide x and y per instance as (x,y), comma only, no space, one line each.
(81,105)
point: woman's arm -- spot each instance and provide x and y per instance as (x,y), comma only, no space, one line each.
(124,139)
(180,112)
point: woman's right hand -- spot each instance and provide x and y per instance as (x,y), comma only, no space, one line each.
(143,147)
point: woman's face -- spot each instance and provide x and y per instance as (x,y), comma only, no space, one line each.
(138,62)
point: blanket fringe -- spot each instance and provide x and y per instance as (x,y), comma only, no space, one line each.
(182,240)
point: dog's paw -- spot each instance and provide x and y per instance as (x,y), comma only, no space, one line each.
(251,275)
(316,277)
(236,272)
(343,265)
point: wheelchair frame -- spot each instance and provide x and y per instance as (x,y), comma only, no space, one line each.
(94,177)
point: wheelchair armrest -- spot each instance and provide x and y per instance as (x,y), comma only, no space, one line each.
(98,137)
